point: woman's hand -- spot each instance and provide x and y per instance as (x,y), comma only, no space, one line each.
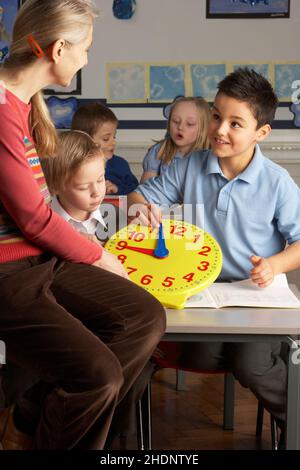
(110,263)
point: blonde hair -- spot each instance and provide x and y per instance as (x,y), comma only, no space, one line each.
(168,148)
(47,21)
(75,148)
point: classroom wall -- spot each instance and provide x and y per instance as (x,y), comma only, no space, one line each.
(177,30)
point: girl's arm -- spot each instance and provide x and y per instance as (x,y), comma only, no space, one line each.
(147,175)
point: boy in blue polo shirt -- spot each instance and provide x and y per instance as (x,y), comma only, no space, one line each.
(252,207)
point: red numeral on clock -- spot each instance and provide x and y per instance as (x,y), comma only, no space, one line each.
(122,258)
(203,266)
(121,245)
(189,277)
(205,251)
(168,282)
(131,270)
(136,236)
(177,230)
(147,279)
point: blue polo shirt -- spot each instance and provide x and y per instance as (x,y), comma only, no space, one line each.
(153,165)
(256,213)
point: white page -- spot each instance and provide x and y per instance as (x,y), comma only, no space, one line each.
(204,299)
(246,293)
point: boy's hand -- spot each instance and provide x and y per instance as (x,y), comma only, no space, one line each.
(111,188)
(110,262)
(144,214)
(262,273)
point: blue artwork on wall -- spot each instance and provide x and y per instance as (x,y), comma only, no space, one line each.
(62,111)
(126,82)
(205,79)
(285,76)
(295,108)
(8,13)
(263,69)
(247,8)
(166,82)
(124,9)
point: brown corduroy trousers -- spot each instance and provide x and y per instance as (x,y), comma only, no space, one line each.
(86,332)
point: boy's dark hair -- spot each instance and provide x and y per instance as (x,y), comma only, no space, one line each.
(88,118)
(251,87)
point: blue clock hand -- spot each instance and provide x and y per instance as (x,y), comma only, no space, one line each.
(161,250)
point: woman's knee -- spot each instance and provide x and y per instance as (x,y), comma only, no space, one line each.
(99,370)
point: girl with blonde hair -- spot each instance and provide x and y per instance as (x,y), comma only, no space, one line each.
(69,315)
(186,132)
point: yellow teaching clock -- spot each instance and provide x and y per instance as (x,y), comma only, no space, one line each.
(172,262)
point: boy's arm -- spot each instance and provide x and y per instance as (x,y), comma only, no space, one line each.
(266,268)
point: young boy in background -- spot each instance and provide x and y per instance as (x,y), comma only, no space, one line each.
(101,124)
(252,207)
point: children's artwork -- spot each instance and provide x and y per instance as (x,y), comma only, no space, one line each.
(285,75)
(295,108)
(263,69)
(126,82)
(124,9)
(205,78)
(62,111)
(8,13)
(167,82)
(247,8)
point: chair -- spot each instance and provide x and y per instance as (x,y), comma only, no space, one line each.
(143,409)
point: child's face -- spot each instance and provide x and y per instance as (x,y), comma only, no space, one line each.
(106,137)
(232,130)
(85,190)
(184,126)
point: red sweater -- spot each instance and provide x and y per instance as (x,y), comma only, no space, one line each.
(28,226)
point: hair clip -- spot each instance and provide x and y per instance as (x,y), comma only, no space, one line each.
(36,48)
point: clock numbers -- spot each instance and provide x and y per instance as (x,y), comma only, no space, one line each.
(136,236)
(197,237)
(122,258)
(121,245)
(147,279)
(205,251)
(203,266)
(177,230)
(131,270)
(189,277)
(168,282)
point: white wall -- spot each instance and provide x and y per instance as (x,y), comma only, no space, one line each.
(177,30)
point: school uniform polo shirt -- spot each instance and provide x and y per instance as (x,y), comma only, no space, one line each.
(84,226)
(256,213)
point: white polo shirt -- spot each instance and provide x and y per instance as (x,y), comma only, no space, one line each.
(85,226)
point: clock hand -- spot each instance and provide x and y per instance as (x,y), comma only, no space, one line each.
(145,251)
(161,250)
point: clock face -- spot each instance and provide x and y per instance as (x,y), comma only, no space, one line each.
(193,262)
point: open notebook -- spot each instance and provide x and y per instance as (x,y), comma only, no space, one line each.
(246,294)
